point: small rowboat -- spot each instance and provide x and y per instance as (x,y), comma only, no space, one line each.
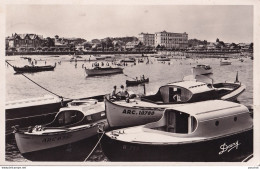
(78,121)
(30,69)
(136,82)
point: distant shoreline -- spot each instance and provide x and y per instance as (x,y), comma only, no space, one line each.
(8,53)
(72,53)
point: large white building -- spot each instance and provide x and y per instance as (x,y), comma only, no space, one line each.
(147,39)
(171,40)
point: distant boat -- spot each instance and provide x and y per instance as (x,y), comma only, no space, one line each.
(55,56)
(136,82)
(201,70)
(225,62)
(163,58)
(30,69)
(71,124)
(241,60)
(208,131)
(128,60)
(103,71)
(150,107)
(99,57)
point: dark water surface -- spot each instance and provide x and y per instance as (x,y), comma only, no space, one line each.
(71,81)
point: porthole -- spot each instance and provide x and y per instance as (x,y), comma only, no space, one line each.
(217,123)
(235,118)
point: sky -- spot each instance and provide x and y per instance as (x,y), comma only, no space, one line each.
(229,23)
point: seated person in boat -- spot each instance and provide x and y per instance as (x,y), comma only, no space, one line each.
(123,93)
(177,97)
(114,94)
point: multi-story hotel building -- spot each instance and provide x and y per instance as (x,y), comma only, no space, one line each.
(147,39)
(171,40)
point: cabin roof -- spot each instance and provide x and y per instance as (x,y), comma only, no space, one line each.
(193,86)
(87,109)
(211,109)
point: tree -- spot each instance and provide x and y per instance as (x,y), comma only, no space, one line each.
(217,40)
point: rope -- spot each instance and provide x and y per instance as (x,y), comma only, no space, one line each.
(129,77)
(39,84)
(95,147)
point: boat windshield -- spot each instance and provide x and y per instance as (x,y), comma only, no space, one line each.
(176,122)
(66,117)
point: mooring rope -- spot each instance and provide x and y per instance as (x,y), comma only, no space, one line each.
(129,77)
(95,146)
(39,84)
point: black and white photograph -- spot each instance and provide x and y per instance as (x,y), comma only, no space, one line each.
(129,82)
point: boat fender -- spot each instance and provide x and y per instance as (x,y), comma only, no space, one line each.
(16,128)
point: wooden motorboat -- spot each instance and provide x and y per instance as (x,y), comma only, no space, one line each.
(136,82)
(137,111)
(31,69)
(225,62)
(208,131)
(71,124)
(201,70)
(97,71)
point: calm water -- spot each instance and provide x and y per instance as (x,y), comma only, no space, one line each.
(71,81)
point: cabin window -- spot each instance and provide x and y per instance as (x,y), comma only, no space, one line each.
(179,122)
(217,123)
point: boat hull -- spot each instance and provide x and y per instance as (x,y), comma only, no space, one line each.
(231,148)
(201,71)
(134,83)
(225,63)
(121,116)
(28,143)
(33,69)
(100,72)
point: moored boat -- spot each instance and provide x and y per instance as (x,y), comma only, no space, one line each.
(137,111)
(201,70)
(31,69)
(97,71)
(225,62)
(163,58)
(208,131)
(130,60)
(136,82)
(71,124)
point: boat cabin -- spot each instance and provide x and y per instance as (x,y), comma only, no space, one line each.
(80,114)
(182,92)
(208,118)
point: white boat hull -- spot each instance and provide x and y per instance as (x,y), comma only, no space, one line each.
(97,72)
(200,71)
(121,116)
(31,142)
